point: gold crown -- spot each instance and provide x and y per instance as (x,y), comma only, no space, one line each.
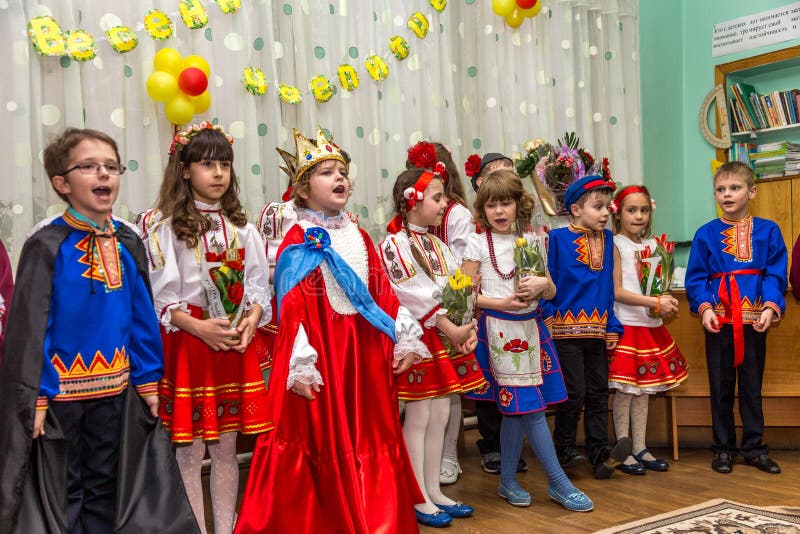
(309,155)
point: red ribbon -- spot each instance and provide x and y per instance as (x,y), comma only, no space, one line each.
(732,301)
(420,186)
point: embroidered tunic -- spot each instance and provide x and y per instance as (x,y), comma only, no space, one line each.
(725,246)
(100,329)
(422,295)
(581,264)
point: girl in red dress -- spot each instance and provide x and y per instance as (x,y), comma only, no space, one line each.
(646,359)
(210,284)
(419,265)
(333,459)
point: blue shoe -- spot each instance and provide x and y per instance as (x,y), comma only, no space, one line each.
(515,495)
(652,465)
(576,501)
(436,519)
(459,509)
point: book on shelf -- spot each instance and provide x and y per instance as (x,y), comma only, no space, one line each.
(742,91)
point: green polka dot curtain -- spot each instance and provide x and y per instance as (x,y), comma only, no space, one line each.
(472,83)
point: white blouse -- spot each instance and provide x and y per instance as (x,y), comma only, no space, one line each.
(175,269)
(492,284)
(459,227)
(347,241)
(627,314)
(276,219)
(418,292)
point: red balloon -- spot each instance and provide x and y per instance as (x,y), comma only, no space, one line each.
(192,81)
(526,4)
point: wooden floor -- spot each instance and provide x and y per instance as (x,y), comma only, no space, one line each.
(621,499)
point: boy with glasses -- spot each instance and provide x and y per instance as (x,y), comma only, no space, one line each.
(81,329)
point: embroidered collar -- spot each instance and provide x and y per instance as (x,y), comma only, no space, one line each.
(82,222)
(320,219)
(735,222)
(581,230)
(207,208)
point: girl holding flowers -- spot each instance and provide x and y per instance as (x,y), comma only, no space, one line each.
(515,350)
(646,359)
(420,266)
(211,291)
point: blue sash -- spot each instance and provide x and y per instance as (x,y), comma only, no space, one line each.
(297,261)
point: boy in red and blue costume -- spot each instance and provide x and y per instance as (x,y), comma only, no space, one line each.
(581,319)
(735,281)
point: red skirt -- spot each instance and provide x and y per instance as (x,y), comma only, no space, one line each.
(268,333)
(441,374)
(646,360)
(205,393)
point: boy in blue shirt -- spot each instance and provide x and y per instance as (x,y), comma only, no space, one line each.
(81,329)
(581,319)
(735,281)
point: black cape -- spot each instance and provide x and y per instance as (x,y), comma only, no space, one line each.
(33,495)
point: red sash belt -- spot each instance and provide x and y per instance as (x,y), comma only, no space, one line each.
(732,301)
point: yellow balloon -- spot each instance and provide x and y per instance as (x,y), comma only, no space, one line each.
(515,18)
(503,8)
(179,110)
(198,62)
(168,60)
(162,86)
(533,11)
(201,102)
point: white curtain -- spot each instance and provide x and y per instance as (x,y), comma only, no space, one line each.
(473,83)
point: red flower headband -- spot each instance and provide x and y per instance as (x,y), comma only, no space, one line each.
(616,204)
(412,195)
(423,156)
(184,137)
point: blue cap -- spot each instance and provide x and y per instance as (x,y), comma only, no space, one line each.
(577,188)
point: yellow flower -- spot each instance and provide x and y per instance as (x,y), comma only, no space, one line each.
(521,241)
(530,146)
(516,156)
(224,269)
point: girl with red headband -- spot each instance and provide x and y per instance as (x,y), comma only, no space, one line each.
(454,230)
(419,265)
(646,359)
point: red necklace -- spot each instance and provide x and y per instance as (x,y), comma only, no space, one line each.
(504,276)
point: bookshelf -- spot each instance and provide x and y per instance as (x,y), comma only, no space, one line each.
(777,198)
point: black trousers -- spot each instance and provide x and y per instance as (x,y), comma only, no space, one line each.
(584,365)
(722,377)
(489,421)
(92,430)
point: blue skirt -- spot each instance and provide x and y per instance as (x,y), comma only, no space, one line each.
(515,400)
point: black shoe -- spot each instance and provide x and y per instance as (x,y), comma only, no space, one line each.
(609,459)
(722,463)
(570,458)
(522,467)
(491,462)
(632,469)
(652,465)
(764,463)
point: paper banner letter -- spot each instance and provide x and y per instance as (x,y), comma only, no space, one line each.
(193,13)
(289,94)
(348,77)
(399,47)
(229,7)
(376,67)
(46,36)
(158,25)
(122,39)
(254,81)
(322,88)
(80,45)
(418,24)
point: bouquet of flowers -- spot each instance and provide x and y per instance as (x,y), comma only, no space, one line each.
(225,285)
(529,259)
(558,166)
(458,297)
(656,268)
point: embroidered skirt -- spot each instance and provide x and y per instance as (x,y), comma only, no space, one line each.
(205,393)
(646,360)
(441,374)
(516,400)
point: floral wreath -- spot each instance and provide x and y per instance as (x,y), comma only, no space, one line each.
(183,137)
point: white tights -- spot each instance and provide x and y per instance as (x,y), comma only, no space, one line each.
(224,479)
(450,449)
(630,419)
(423,430)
